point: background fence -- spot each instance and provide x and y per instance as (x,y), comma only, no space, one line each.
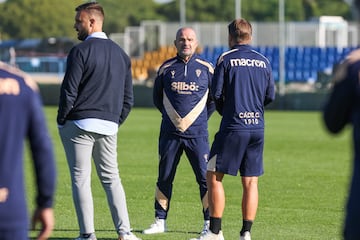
(310,49)
(325,31)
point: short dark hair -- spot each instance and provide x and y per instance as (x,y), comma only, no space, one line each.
(90,7)
(240,30)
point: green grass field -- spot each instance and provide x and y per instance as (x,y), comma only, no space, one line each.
(302,192)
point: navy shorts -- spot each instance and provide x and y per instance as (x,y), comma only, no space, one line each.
(237,151)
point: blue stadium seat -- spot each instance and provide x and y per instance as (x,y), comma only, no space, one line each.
(310,76)
(299,76)
(276,76)
(302,64)
(289,75)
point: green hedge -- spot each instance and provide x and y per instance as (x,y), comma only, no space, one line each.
(143,98)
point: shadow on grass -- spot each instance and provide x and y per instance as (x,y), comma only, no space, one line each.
(108,230)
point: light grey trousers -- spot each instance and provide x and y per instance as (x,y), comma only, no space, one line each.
(80,147)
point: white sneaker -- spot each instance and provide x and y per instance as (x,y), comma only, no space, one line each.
(205,227)
(210,236)
(129,236)
(159,226)
(246,236)
(86,237)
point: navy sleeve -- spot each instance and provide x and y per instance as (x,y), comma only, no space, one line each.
(270,91)
(70,85)
(217,86)
(42,154)
(158,93)
(210,100)
(128,96)
(337,110)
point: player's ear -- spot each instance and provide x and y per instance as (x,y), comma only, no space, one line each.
(196,43)
(230,41)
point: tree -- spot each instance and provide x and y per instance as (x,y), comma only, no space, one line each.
(120,14)
(317,8)
(22,19)
(37,18)
(254,10)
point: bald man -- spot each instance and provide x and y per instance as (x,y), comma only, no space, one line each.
(181,94)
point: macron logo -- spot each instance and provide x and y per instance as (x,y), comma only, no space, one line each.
(245,62)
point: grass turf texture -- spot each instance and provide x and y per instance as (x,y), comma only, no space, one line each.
(302,192)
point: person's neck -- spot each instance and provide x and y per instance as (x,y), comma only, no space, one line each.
(185,58)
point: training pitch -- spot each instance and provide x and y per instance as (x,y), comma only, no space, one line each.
(301,195)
